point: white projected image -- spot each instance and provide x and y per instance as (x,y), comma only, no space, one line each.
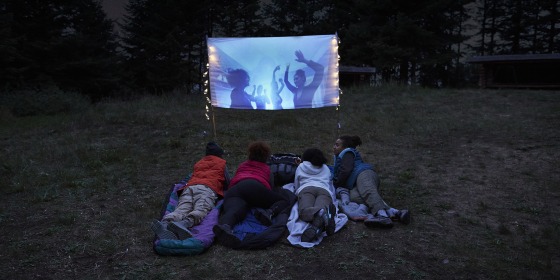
(274,73)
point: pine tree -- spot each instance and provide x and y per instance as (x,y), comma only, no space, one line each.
(62,43)
(164,43)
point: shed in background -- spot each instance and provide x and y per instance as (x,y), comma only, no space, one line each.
(356,76)
(518,71)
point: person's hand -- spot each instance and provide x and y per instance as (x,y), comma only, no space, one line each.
(277,68)
(300,57)
(287,67)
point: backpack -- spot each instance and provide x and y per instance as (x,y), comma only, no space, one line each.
(283,168)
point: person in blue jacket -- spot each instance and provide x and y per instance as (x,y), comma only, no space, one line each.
(357,181)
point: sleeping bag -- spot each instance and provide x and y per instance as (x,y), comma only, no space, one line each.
(202,235)
(252,233)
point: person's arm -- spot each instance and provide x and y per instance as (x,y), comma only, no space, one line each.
(227,178)
(281,86)
(297,179)
(345,169)
(317,68)
(319,72)
(290,87)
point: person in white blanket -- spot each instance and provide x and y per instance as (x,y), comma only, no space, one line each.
(315,193)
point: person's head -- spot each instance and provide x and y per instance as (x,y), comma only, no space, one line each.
(238,78)
(315,156)
(259,151)
(212,149)
(299,78)
(346,141)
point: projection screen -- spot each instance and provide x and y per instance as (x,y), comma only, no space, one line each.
(274,73)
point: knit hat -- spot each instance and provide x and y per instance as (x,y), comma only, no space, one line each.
(213,149)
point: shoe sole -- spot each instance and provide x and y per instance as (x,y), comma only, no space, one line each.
(182,233)
(308,235)
(161,232)
(405,219)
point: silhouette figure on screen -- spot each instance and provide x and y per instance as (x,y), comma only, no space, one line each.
(275,94)
(303,94)
(239,79)
(260,99)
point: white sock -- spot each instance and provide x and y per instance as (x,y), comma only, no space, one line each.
(382,213)
(392,212)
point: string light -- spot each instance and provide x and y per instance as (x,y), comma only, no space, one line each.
(206,86)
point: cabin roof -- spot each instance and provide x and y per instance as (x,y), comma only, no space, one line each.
(514,58)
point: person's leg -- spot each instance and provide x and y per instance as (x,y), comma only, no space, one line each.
(366,191)
(257,195)
(184,206)
(306,204)
(234,209)
(323,200)
(204,200)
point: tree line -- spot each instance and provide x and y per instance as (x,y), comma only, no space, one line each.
(72,45)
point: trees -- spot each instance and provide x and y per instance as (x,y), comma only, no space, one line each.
(518,27)
(165,41)
(402,38)
(62,43)
(71,45)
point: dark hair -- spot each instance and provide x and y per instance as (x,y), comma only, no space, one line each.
(301,73)
(350,141)
(235,78)
(315,156)
(259,151)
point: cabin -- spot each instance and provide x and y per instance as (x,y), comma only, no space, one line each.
(518,71)
(356,76)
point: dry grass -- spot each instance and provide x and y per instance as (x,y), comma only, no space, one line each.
(478,169)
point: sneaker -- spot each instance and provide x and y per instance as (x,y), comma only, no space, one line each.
(402,216)
(378,222)
(181,229)
(320,219)
(316,227)
(310,234)
(160,229)
(264,216)
(331,223)
(225,236)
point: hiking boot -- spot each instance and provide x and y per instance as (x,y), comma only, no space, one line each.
(402,216)
(378,222)
(160,229)
(264,216)
(224,234)
(181,229)
(331,223)
(311,233)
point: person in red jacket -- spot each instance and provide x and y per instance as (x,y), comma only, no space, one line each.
(197,197)
(250,187)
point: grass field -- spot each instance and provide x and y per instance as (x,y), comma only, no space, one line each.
(479,170)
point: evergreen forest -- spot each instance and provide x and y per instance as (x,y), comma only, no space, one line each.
(160,46)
